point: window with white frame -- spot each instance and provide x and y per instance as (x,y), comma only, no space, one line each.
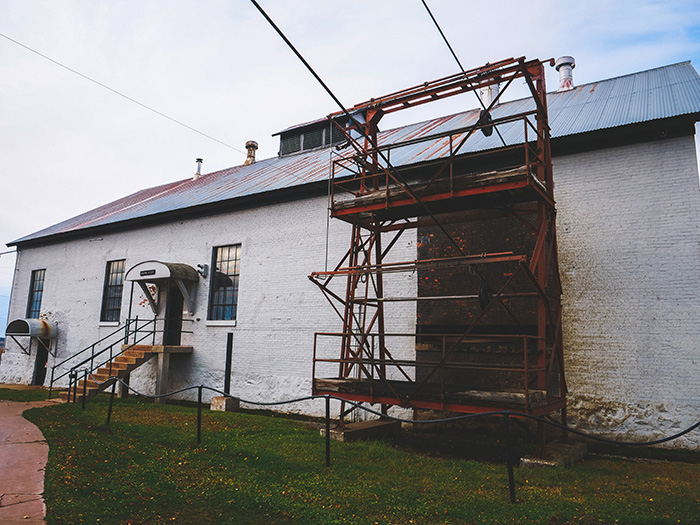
(36,292)
(112,292)
(223,294)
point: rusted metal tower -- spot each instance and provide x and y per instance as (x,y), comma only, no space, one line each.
(487,300)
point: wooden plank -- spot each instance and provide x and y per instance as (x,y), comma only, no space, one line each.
(499,398)
(460,182)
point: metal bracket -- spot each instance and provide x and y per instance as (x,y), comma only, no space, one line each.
(186,295)
(28,350)
(149,297)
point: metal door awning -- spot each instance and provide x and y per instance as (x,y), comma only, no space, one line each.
(157,272)
(38,329)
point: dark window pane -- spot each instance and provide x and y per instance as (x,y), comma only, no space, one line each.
(112,293)
(290,144)
(223,296)
(313,139)
(336,135)
(36,291)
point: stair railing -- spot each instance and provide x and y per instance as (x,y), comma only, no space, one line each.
(146,331)
(133,328)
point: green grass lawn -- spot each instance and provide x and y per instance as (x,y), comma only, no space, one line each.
(146,467)
(34,394)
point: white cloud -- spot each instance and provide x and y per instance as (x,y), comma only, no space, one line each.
(68,145)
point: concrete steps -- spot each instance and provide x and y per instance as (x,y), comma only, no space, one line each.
(120,367)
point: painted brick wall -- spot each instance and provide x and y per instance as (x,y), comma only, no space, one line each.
(629,250)
(278,311)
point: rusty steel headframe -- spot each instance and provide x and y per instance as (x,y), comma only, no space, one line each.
(488,329)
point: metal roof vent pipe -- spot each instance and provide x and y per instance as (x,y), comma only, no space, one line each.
(251,146)
(565,65)
(199,169)
(488,94)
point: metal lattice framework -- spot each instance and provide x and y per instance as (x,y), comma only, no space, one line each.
(502,348)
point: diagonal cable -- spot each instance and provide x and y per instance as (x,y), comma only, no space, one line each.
(481,102)
(268,162)
(127,97)
(396,174)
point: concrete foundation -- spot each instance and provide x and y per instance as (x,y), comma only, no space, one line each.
(364,430)
(557,454)
(225,404)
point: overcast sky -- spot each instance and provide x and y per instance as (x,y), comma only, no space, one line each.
(68,145)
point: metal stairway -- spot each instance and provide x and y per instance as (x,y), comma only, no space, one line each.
(120,367)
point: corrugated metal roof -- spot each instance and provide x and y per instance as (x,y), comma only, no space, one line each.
(659,93)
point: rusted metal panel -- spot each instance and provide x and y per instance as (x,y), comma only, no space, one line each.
(488,314)
(664,92)
(32,328)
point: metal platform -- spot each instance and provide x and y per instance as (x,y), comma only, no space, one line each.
(488,333)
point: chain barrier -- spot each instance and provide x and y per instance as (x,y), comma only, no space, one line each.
(506,414)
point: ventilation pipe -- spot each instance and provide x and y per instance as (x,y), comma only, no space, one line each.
(199,169)
(488,94)
(565,65)
(251,146)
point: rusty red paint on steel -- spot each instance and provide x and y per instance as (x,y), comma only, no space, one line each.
(430,198)
(451,85)
(368,220)
(551,404)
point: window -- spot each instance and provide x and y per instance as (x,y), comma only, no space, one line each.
(313,139)
(223,296)
(112,293)
(311,136)
(36,291)
(290,144)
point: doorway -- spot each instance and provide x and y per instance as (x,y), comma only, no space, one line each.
(41,363)
(172,330)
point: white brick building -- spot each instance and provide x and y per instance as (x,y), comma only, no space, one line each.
(626,185)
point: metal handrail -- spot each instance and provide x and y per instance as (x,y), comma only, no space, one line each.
(367,360)
(123,338)
(121,328)
(73,372)
(112,356)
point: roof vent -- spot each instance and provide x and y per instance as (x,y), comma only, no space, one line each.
(251,146)
(488,94)
(199,169)
(565,65)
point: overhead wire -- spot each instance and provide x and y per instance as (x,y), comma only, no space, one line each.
(116,92)
(444,37)
(268,162)
(484,284)
(389,166)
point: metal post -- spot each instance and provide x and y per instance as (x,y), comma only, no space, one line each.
(126,329)
(328,431)
(199,414)
(136,328)
(509,456)
(84,387)
(229,356)
(70,384)
(75,386)
(51,384)
(111,402)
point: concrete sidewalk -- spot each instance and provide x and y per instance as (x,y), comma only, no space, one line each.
(23,456)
